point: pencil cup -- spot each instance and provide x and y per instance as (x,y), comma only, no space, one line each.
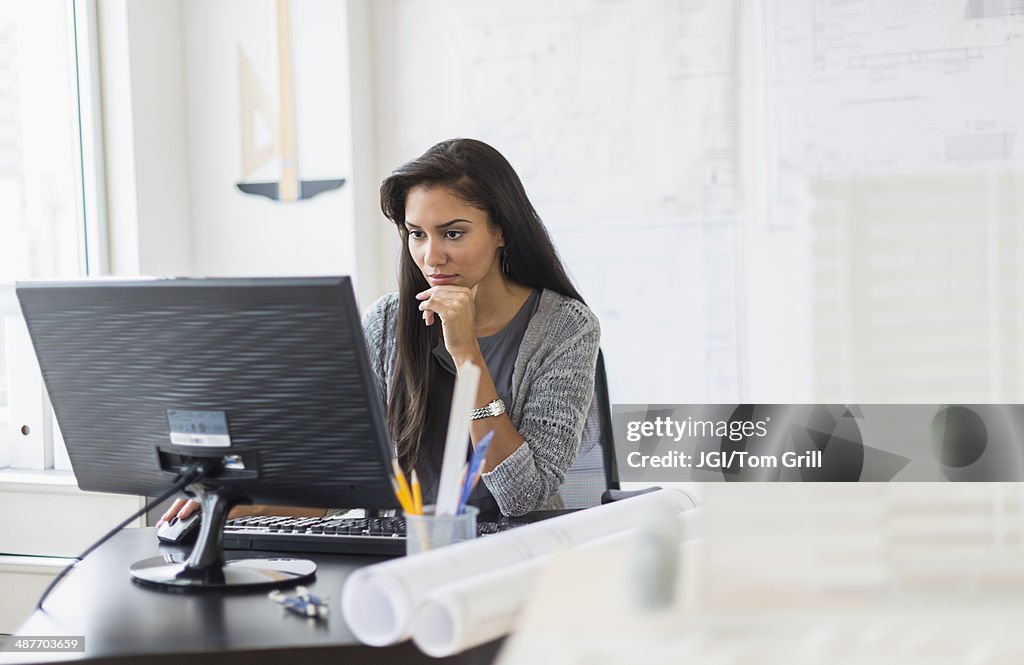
(429,531)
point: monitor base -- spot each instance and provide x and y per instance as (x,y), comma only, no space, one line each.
(158,573)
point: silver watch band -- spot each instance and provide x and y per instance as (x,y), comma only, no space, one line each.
(494,408)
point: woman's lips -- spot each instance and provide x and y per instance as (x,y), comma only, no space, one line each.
(441,279)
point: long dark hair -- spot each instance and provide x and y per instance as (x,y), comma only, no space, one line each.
(479,175)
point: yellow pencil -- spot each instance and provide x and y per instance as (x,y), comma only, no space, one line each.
(417,496)
(404,497)
(406,506)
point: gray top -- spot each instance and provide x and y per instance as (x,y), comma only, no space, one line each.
(551,391)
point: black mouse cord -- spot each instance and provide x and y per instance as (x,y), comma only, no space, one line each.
(191,474)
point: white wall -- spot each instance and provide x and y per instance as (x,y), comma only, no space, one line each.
(681,160)
(776,361)
(172,106)
(239,234)
(374,235)
(144,137)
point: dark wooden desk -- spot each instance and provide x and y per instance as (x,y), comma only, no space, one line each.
(123,622)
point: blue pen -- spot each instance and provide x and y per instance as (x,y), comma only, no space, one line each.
(475,462)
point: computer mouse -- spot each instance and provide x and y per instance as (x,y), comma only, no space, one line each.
(180,531)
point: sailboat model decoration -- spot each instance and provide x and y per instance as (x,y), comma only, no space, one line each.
(255,100)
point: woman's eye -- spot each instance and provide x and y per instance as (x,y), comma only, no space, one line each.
(453,235)
(416,234)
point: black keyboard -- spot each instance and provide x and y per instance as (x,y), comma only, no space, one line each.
(382,536)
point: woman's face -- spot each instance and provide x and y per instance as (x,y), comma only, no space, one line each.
(451,241)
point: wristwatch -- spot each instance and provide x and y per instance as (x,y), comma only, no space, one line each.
(495,408)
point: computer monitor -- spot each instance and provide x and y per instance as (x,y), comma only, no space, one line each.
(265,380)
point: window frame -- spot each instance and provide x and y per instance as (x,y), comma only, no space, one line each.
(83,33)
(90,187)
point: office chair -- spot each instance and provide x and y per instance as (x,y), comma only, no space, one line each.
(594,469)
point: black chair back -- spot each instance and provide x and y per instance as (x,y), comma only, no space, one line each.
(594,469)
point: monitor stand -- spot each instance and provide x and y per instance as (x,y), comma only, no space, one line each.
(206,568)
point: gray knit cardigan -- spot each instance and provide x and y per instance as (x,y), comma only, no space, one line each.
(552,388)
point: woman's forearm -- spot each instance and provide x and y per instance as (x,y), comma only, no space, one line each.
(506,437)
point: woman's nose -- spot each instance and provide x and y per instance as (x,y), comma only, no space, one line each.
(434,256)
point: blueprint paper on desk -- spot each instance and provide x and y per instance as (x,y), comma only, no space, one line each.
(382,602)
(481,608)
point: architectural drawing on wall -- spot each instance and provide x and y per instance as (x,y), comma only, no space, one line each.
(867,88)
(873,112)
(993,8)
(621,119)
(919,288)
(267,136)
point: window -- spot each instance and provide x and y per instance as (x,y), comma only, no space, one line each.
(48,163)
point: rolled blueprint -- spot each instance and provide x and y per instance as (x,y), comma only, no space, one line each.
(461,615)
(380,602)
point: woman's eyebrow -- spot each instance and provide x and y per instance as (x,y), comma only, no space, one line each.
(441,226)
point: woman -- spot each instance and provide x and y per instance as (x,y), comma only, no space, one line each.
(479,282)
